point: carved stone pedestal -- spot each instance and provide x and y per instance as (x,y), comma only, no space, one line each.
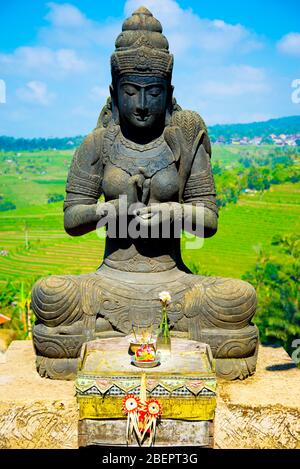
(111,433)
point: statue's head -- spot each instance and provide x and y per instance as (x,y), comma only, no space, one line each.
(141,68)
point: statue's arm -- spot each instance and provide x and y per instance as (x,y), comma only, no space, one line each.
(80,219)
(200,196)
(84,187)
(200,219)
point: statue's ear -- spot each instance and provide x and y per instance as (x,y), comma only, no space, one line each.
(112,91)
(114,104)
(169,104)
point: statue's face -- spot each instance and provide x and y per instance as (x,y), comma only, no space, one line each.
(142,101)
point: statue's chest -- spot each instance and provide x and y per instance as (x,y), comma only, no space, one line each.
(154,165)
(134,158)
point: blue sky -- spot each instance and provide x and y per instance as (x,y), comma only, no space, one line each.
(234,61)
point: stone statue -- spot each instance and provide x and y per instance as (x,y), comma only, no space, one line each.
(147,148)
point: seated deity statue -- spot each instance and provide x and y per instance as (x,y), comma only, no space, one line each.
(146,166)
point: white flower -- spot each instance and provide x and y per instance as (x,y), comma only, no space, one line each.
(165,297)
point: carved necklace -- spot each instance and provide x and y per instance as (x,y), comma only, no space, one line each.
(141,147)
(132,157)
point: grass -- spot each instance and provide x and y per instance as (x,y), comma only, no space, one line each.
(43,172)
(50,250)
(242,229)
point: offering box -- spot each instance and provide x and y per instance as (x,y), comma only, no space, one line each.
(185,384)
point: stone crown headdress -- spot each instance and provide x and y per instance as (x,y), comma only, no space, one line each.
(141,48)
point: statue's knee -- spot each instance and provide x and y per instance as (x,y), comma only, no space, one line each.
(245,299)
(55,300)
(229,303)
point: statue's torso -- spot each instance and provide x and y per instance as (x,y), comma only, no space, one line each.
(160,183)
(154,160)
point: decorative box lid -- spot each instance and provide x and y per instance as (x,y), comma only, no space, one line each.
(105,369)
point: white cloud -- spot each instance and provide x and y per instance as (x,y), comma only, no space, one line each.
(43,59)
(68,26)
(290,44)
(168,12)
(65,15)
(236,81)
(207,55)
(185,30)
(35,92)
(67,60)
(86,112)
(224,93)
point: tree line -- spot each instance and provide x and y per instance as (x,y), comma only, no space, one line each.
(255,173)
(32,144)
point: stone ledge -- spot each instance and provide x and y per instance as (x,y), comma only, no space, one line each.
(34,412)
(261,412)
(264,410)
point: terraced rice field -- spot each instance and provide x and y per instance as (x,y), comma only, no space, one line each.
(50,250)
(28,177)
(245,227)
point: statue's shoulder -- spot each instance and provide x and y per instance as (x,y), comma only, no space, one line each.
(190,121)
(193,128)
(90,149)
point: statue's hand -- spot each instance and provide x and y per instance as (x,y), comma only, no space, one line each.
(135,186)
(159,213)
(112,208)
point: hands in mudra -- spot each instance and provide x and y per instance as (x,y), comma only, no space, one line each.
(158,213)
(151,215)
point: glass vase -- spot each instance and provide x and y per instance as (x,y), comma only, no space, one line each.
(163,341)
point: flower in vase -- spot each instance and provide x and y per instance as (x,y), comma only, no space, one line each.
(163,336)
(165,297)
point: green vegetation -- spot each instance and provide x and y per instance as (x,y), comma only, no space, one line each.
(15,303)
(27,178)
(276,279)
(55,198)
(21,144)
(253,170)
(246,226)
(6,205)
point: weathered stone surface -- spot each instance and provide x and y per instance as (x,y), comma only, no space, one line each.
(34,412)
(168,433)
(262,412)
